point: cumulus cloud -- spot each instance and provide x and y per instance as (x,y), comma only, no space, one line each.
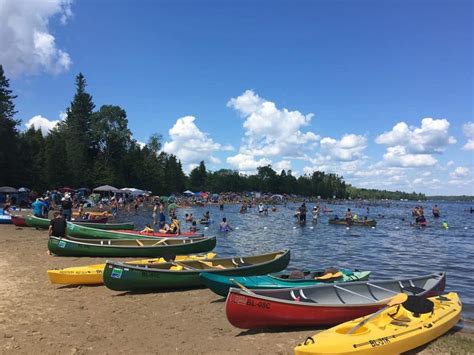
(398,156)
(431,137)
(247,163)
(349,148)
(42,123)
(415,146)
(190,144)
(27,46)
(270,131)
(468,129)
(282,165)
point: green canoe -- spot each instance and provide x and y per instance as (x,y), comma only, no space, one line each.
(221,284)
(130,247)
(43,223)
(185,274)
(81,231)
(343,222)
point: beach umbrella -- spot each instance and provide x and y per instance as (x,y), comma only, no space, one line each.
(187,192)
(8,189)
(66,189)
(23,189)
(172,206)
(164,198)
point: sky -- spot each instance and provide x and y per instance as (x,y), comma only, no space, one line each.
(380,92)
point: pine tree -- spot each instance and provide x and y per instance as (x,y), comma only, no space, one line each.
(78,135)
(9,137)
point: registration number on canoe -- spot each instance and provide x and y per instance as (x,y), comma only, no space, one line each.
(378,342)
(62,244)
(249,302)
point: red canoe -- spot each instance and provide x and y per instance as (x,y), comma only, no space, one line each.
(19,221)
(323,304)
(161,235)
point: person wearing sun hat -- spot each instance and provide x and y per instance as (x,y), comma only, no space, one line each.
(66,206)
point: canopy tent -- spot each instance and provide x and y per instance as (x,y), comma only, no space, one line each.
(85,189)
(275,197)
(106,188)
(188,193)
(8,190)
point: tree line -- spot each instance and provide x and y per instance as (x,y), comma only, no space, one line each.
(94,147)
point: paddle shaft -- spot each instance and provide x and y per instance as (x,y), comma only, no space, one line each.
(241,286)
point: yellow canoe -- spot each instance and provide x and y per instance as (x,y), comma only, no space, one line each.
(394,331)
(92,274)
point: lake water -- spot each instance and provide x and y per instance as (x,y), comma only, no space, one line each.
(392,249)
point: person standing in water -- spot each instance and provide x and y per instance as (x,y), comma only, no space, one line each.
(302,213)
(435,211)
(224,226)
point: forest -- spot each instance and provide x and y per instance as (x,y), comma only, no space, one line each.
(92,147)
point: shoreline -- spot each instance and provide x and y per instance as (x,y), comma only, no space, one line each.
(38,317)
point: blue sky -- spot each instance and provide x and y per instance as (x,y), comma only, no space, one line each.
(380,92)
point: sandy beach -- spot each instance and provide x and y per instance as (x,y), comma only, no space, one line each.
(38,317)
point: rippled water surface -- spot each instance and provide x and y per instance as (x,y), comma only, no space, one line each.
(392,249)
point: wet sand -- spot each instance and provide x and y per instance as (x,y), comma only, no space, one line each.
(38,317)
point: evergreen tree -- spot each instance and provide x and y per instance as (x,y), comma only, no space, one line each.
(56,170)
(9,138)
(111,139)
(198,178)
(78,134)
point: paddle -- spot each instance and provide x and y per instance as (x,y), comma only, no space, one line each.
(396,300)
(183,265)
(241,286)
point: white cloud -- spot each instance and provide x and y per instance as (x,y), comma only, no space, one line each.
(269,131)
(460,172)
(398,156)
(468,129)
(414,146)
(190,144)
(450,163)
(282,165)
(349,148)
(27,46)
(42,123)
(247,163)
(431,137)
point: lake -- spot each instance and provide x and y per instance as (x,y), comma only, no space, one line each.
(392,249)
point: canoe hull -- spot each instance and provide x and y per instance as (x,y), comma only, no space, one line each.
(5,219)
(119,277)
(68,247)
(266,314)
(394,331)
(19,221)
(220,284)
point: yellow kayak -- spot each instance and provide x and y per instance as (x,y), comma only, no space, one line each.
(395,330)
(92,274)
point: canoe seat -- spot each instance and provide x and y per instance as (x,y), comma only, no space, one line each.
(240,262)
